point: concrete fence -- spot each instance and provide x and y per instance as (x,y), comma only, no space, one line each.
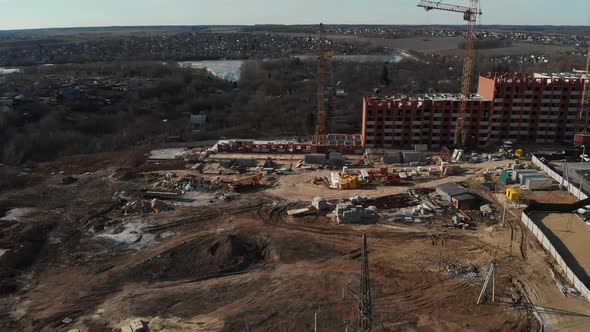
(571,187)
(573,276)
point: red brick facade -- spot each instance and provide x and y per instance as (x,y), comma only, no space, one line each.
(531,108)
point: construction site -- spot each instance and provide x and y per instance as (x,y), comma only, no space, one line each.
(448,212)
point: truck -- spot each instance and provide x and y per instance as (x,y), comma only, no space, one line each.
(246,181)
(383,177)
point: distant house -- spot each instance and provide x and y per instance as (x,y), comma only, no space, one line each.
(6,105)
(70,93)
(198,122)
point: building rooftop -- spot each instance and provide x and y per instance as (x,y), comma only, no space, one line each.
(425,97)
(464,197)
(452,189)
(576,74)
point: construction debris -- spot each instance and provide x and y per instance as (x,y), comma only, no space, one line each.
(135,325)
(142,206)
(68,180)
(172,182)
(319,203)
(349,213)
(358,199)
(298,212)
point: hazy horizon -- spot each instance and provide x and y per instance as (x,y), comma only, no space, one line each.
(271,24)
(37,14)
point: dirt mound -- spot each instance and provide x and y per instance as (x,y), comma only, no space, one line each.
(201,258)
(234,252)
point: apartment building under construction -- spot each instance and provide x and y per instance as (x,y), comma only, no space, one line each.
(526,108)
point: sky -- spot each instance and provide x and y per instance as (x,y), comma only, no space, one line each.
(25,14)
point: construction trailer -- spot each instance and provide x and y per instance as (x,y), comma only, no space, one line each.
(316,159)
(392,158)
(465,202)
(517,172)
(523,176)
(540,183)
(449,190)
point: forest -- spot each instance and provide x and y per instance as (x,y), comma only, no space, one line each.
(272,99)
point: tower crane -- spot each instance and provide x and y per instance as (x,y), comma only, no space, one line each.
(321,129)
(470,15)
(582,137)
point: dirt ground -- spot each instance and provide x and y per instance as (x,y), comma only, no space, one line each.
(300,187)
(572,231)
(214,267)
(551,196)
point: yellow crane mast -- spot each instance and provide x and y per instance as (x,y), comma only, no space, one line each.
(470,15)
(321,129)
(582,137)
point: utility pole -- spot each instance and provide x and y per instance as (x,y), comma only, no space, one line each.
(315,323)
(567,176)
(362,299)
(365,317)
(581,175)
(504,213)
(491,275)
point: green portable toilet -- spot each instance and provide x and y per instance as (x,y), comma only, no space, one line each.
(504,177)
